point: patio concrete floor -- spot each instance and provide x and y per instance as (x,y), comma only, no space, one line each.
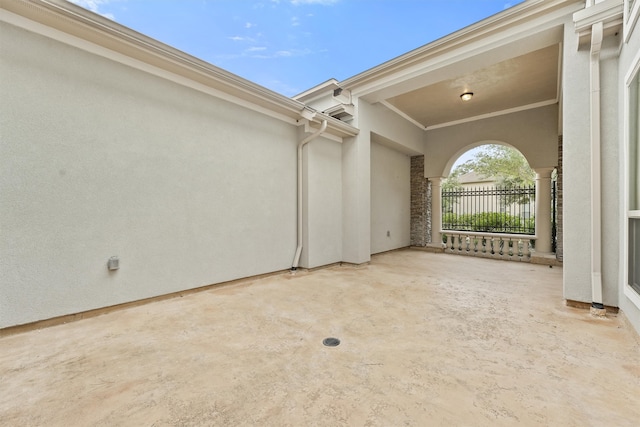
(427,339)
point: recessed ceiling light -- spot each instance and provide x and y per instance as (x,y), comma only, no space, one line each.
(466,96)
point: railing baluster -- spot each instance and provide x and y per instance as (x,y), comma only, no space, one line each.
(490,245)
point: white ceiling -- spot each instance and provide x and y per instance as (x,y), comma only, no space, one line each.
(519,82)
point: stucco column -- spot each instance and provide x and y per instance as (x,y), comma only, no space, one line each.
(543,210)
(436,211)
(356,199)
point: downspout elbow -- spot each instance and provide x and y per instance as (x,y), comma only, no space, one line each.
(313,136)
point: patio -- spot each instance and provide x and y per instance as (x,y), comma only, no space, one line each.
(426,339)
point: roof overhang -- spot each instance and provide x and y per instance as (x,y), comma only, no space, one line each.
(516,53)
(488,33)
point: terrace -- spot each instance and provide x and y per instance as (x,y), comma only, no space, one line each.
(422,342)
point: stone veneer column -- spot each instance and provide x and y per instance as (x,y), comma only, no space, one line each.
(428,216)
(543,210)
(418,202)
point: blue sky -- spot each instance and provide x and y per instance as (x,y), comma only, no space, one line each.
(292,45)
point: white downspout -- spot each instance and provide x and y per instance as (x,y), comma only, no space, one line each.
(301,144)
(596,209)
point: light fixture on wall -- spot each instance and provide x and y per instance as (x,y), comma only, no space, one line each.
(466,96)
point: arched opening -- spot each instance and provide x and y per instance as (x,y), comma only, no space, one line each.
(470,151)
(489,201)
(491,189)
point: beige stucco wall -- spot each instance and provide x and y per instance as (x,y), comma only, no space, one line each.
(377,125)
(322,206)
(392,130)
(356,199)
(98,159)
(533,132)
(390,198)
(576,171)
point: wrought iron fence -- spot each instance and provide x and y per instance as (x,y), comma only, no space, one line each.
(490,209)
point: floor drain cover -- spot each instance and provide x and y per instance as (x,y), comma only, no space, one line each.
(331,342)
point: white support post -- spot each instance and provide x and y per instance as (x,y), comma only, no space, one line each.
(543,210)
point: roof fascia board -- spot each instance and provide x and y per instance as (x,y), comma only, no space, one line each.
(93,33)
(526,16)
(609,12)
(338,127)
(605,12)
(72,19)
(65,38)
(317,91)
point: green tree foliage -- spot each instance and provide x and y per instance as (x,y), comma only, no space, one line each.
(488,222)
(451,183)
(506,165)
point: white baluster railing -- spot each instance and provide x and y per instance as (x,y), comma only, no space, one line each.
(515,247)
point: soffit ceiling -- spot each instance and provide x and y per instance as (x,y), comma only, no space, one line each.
(520,82)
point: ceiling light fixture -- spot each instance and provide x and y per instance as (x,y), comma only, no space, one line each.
(466,96)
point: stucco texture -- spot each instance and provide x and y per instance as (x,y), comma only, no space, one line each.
(532,132)
(390,199)
(98,160)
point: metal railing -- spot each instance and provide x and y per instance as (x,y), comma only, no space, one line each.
(490,210)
